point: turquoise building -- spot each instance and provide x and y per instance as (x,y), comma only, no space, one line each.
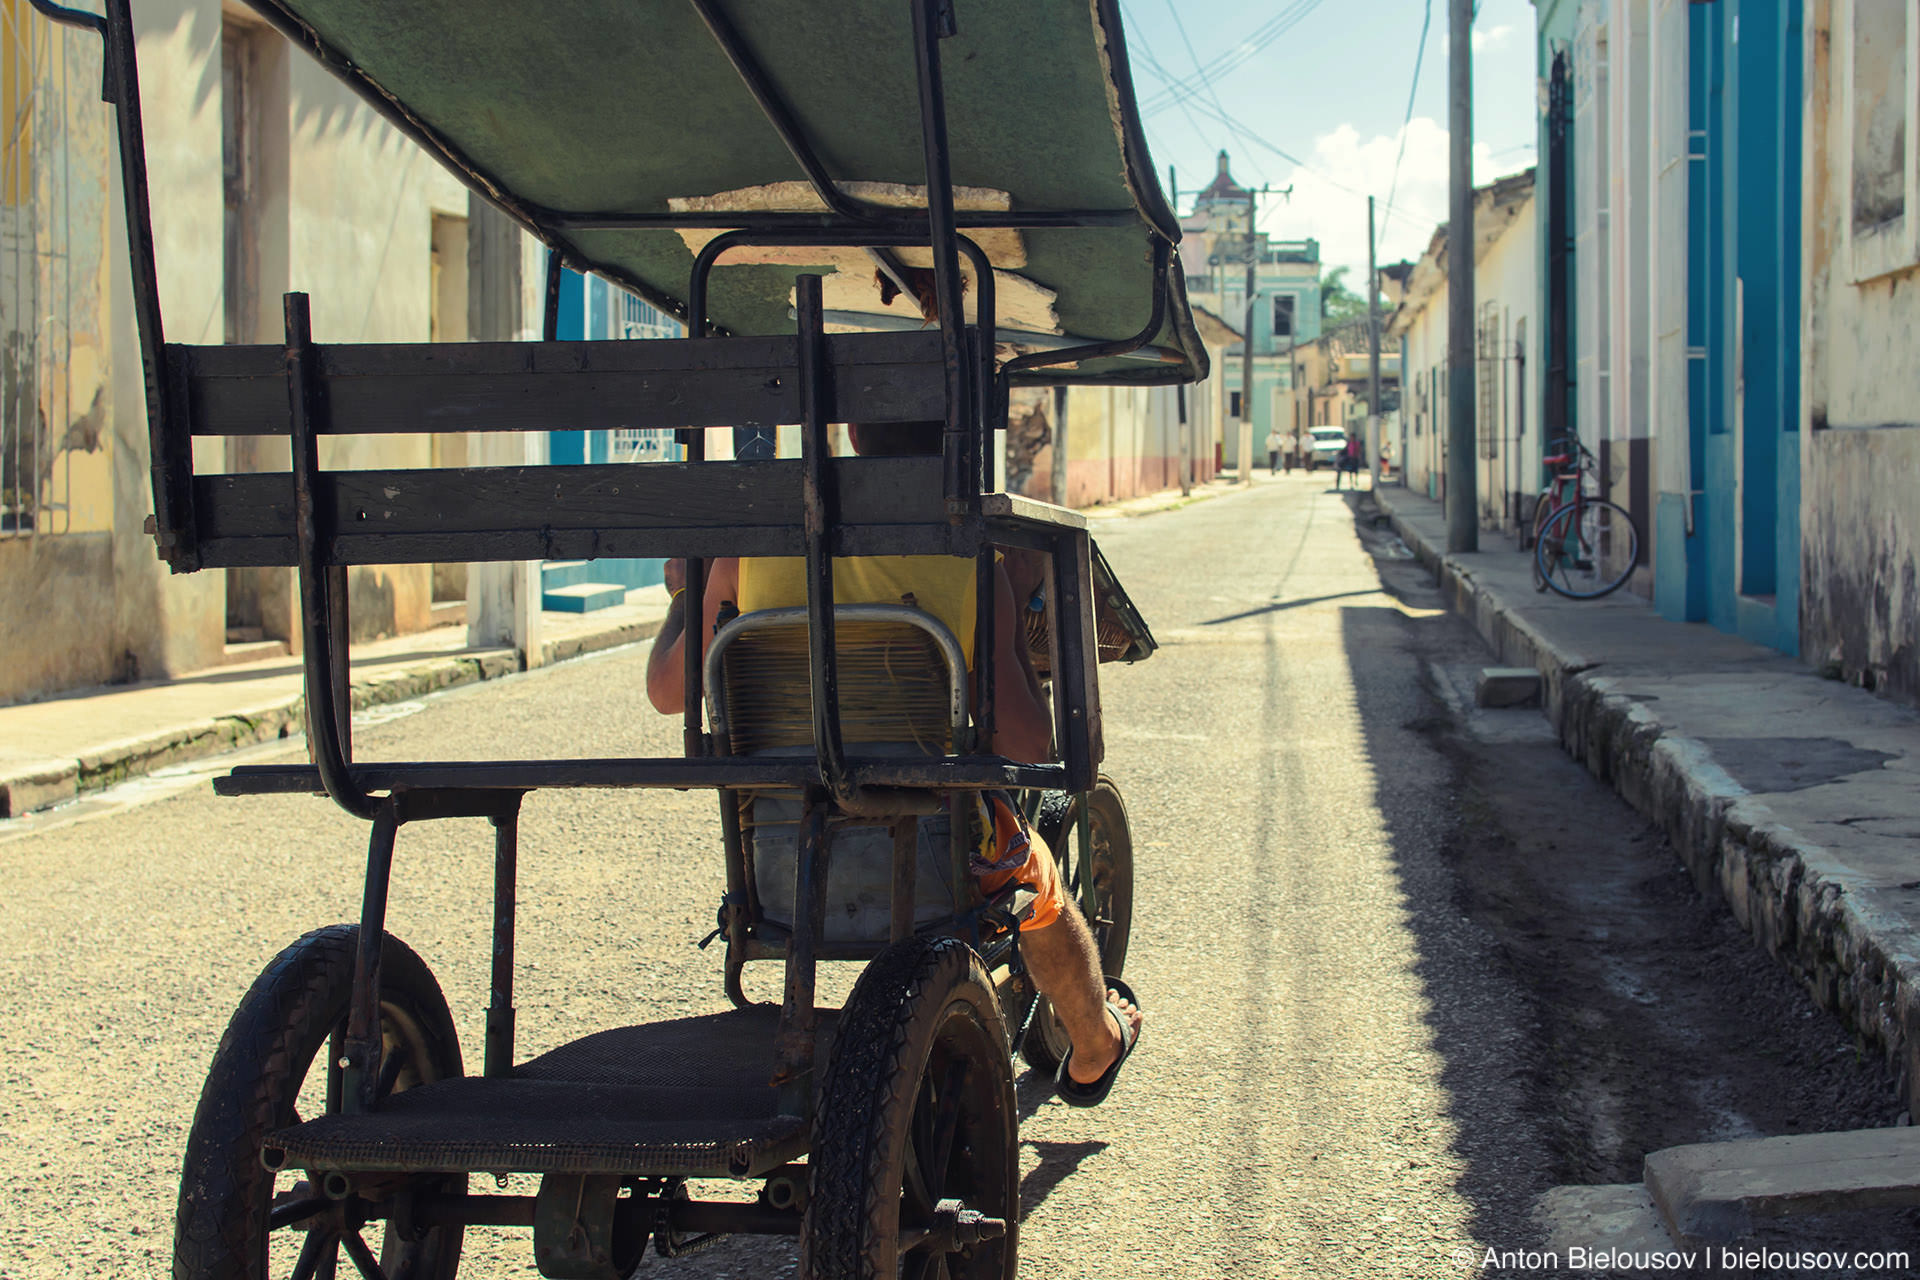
(1286,301)
(592,309)
(1670,268)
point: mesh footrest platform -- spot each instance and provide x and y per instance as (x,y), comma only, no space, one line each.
(688,1097)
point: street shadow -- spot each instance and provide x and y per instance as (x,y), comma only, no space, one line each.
(1279,605)
(1058,1162)
(1031,1091)
(1476,1012)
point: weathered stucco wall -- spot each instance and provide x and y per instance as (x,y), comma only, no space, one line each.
(344,211)
(1122,442)
(1860,425)
(361,202)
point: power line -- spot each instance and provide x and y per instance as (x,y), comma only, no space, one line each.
(1179,92)
(1181,26)
(1234,58)
(1166,77)
(1419,56)
(1241,129)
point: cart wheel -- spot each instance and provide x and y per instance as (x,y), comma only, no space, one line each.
(915,1167)
(1106,899)
(261,1081)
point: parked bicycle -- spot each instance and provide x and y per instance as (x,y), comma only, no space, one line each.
(1583,545)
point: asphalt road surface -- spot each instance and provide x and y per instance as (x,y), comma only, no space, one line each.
(1327,1084)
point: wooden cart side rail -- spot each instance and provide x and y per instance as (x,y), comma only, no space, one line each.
(708,509)
(414,516)
(375,389)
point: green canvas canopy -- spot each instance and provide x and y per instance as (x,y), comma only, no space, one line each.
(625,134)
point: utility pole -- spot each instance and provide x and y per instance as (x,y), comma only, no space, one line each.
(1185,438)
(1463,498)
(1373,353)
(1185,445)
(1057,480)
(1246,356)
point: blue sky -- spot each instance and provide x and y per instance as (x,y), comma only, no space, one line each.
(1326,82)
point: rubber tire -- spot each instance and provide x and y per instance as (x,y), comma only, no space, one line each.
(282,1024)
(1045,1043)
(1621,519)
(918,995)
(1542,511)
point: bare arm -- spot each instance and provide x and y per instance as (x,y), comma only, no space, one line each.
(667,664)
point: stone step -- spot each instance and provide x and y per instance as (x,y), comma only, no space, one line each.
(1507,687)
(583,597)
(565,573)
(1712,1192)
(254,650)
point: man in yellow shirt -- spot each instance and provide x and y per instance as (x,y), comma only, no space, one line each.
(1059,949)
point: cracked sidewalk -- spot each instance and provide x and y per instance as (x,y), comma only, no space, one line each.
(1796,796)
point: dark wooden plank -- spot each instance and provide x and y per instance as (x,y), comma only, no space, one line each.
(891,506)
(965,772)
(525,386)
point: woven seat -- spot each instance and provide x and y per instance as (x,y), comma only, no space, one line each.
(894,688)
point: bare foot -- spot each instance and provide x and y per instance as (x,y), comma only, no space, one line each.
(1089,1062)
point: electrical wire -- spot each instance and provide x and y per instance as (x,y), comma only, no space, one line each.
(1181,26)
(1419,57)
(1145,50)
(1244,131)
(1234,58)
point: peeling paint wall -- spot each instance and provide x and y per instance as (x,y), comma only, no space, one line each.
(1860,424)
(344,212)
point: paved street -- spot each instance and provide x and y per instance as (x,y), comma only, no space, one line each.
(1326,1083)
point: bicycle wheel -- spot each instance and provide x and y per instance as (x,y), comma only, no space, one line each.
(1105,898)
(1542,512)
(1587,550)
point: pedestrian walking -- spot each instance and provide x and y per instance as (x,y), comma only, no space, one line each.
(1273,450)
(1349,464)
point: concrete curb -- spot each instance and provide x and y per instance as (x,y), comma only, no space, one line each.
(32,784)
(1786,890)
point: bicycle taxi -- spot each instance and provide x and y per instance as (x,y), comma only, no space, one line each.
(783,178)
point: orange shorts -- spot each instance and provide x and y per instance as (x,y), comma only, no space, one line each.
(1012,852)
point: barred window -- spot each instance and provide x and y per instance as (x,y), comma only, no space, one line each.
(52,361)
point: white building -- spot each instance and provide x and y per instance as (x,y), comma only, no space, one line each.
(1506,357)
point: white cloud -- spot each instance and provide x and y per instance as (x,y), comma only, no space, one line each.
(1492,38)
(1329,203)
(1484,40)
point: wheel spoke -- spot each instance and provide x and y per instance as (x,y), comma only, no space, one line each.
(295,1206)
(329,1258)
(318,1249)
(947,1124)
(393,1060)
(918,1198)
(363,1259)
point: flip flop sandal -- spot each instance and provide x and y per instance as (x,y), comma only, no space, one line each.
(1075,1094)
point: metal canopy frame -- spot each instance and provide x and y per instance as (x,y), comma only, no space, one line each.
(322,522)
(846,216)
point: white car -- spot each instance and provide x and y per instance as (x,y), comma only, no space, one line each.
(1328,444)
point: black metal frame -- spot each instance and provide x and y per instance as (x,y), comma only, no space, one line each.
(842,510)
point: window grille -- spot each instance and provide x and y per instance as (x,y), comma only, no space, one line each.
(1488,353)
(639,318)
(39,75)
